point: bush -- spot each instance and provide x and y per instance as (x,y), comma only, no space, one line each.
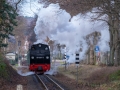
(3,71)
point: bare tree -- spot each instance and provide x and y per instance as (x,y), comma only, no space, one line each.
(24,31)
(92,40)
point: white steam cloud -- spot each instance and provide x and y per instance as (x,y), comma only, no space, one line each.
(55,23)
(58,27)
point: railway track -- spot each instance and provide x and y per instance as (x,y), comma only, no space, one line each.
(48,83)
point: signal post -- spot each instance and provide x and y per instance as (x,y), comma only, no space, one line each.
(77,60)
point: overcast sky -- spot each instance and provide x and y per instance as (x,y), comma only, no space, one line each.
(56,24)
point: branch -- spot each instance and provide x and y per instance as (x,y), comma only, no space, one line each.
(17,4)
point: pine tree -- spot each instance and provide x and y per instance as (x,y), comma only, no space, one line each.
(7,21)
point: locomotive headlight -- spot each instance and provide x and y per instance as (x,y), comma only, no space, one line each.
(47,57)
(32,57)
(46,48)
(39,45)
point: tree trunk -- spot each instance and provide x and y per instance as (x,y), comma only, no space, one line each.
(118,54)
(91,55)
(110,61)
(116,48)
(117,57)
(88,60)
(111,31)
(117,33)
(111,57)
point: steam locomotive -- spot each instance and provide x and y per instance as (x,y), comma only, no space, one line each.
(39,56)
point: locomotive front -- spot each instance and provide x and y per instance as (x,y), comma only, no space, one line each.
(39,58)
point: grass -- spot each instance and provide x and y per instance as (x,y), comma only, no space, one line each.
(115,75)
(102,78)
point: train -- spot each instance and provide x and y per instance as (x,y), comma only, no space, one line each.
(39,58)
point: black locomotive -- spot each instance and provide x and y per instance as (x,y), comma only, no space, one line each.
(39,56)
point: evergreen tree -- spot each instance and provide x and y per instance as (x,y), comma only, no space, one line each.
(7,21)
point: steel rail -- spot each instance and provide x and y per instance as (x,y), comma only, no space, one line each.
(54,82)
(42,82)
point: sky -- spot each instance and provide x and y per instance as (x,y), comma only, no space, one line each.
(58,25)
